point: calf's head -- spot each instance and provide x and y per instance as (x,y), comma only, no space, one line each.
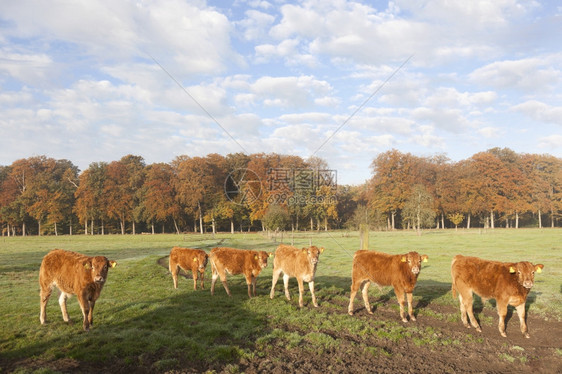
(313,253)
(201,261)
(98,267)
(525,272)
(262,257)
(413,260)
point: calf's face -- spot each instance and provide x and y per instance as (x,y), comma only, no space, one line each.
(414,260)
(262,257)
(98,266)
(201,261)
(313,253)
(525,273)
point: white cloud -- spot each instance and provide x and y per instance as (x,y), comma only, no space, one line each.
(490,132)
(530,74)
(551,142)
(540,111)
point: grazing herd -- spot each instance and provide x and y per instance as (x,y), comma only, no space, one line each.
(507,283)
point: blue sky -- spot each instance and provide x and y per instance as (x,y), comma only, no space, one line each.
(95,80)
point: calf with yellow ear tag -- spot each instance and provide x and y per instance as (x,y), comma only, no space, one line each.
(188,259)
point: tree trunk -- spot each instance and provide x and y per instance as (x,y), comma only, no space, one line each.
(56,232)
(122,222)
(86,226)
(311,224)
(468,222)
(102,227)
(492,219)
(176,226)
(200,218)
(213,223)
(325,223)
(540,220)
(392,216)
(231,226)
(552,217)
(442,221)
(23,229)
(152,225)
(134,233)
(39,228)
(516,219)
(92,227)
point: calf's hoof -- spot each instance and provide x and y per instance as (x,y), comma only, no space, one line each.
(350,312)
(527,335)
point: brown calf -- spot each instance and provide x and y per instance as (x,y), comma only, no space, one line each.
(507,282)
(237,261)
(188,259)
(73,274)
(398,271)
(298,263)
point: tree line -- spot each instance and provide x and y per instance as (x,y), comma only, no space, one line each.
(239,192)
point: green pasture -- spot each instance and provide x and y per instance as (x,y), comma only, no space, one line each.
(141,321)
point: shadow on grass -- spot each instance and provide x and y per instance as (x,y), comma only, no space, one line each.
(188,330)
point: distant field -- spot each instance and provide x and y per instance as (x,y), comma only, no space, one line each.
(142,323)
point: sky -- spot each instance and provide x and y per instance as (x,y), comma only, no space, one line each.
(92,81)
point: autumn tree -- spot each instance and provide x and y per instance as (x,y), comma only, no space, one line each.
(160,196)
(90,201)
(419,209)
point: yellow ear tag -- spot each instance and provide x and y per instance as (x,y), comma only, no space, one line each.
(87,266)
(403,259)
(321,249)
(271,255)
(539,270)
(511,270)
(113,264)
(194,259)
(255,257)
(425,259)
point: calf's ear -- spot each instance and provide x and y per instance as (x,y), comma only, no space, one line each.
(87,265)
(538,268)
(112,264)
(425,258)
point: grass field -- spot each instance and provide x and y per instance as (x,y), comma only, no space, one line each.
(142,322)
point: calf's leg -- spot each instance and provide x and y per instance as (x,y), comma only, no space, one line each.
(467,301)
(91,314)
(409,297)
(502,312)
(194,272)
(85,306)
(286,286)
(301,291)
(174,271)
(354,289)
(365,293)
(274,279)
(521,313)
(400,296)
(311,288)
(44,297)
(62,303)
